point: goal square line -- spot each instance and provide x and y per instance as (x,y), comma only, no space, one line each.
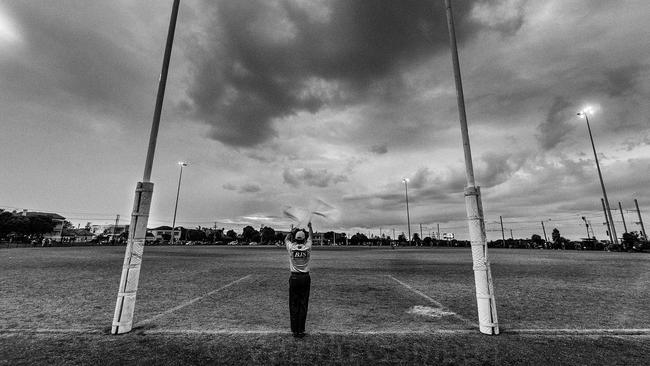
(339,302)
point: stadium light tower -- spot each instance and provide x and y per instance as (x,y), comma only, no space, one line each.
(178,191)
(126,294)
(485,301)
(408,216)
(585,113)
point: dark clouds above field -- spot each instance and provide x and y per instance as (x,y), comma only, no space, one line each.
(277,102)
(263,61)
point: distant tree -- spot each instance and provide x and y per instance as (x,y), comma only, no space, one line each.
(267,235)
(195,235)
(556,235)
(427,241)
(401,238)
(537,240)
(416,239)
(40,224)
(216,235)
(358,238)
(249,234)
(67,225)
(630,240)
(36,225)
(279,237)
(231,234)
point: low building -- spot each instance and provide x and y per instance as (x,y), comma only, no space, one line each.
(77,236)
(165,232)
(56,218)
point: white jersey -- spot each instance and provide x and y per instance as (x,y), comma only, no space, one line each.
(299,255)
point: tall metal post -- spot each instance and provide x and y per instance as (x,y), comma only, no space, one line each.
(602,184)
(408,216)
(545,237)
(125,305)
(486,304)
(638,212)
(609,230)
(178,191)
(586,225)
(620,208)
(117,220)
(503,235)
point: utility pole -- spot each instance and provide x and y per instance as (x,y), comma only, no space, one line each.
(438,232)
(545,237)
(485,301)
(620,208)
(609,232)
(126,294)
(503,235)
(511,237)
(117,221)
(638,212)
(420,231)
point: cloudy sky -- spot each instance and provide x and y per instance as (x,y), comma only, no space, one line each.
(277,103)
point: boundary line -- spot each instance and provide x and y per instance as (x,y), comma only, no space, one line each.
(433,301)
(641,332)
(190,302)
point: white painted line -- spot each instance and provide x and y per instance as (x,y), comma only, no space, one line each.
(167,312)
(51,330)
(430,299)
(627,332)
(315,332)
(578,331)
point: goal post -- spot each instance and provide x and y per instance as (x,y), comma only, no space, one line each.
(486,304)
(125,305)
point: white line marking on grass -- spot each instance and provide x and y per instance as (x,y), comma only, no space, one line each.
(430,299)
(51,330)
(523,332)
(577,331)
(623,332)
(280,332)
(167,312)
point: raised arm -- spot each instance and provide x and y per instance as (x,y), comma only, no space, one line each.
(287,240)
(311,235)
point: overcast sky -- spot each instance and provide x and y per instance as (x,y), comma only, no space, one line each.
(276,103)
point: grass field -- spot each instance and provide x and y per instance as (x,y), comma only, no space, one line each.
(201,305)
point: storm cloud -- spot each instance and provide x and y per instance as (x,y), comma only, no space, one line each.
(311,177)
(265,60)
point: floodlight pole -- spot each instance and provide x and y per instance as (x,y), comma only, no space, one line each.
(178,191)
(609,229)
(125,305)
(408,216)
(638,212)
(486,304)
(600,176)
(620,208)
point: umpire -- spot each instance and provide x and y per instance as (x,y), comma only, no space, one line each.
(299,249)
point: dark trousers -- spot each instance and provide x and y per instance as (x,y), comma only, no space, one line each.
(298,300)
